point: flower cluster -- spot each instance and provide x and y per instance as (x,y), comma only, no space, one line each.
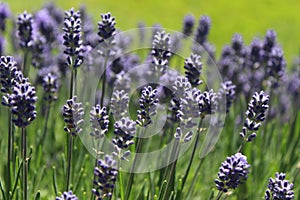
(161,53)
(233,172)
(207,103)
(50,85)
(276,64)
(22,102)
(148,102)
(106,27)
(105,174)
(25,29)
(255,114)
(67,196)
(99,121)
(73,116)
(119,104)
(125,130)
(72,38)
(203,30)
(193,66)
(188,25)
(279,188)
(227,92)
(4,14)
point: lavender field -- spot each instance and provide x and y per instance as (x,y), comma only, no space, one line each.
(95,106)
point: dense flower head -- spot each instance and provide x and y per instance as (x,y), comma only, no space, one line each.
(4,14)
(276,64)
(279,188)
(203,29)
(161,52)
(99,121)
(67,196)
(188,25)
(269,41)
(9,73)
(40,52)
(119,104)
(22,101)
(193,67)
(72,38)
(189,108)
(207,103)
(237,43)
(256,112)
(125,130)
(25,29)
(255,54)
(106,27)
(181,85)
(46,24)
(147,102)
(233,172)
(105,174)
(50,85)
(123,82)
(73,116)
(227,90)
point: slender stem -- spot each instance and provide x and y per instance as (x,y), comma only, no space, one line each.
(193,153)
(173,167)
(25,164)
(70,150)
(195,178)
(131,176)
(45,124)
(219,195)
(121,181)
(103,81)
(9,154)
(71,84)
(24,70)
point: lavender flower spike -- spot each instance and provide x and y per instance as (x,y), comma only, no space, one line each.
(193,67)
(233,172)
(99,121)
(23,101)
(4,14)
(25,29)
(255,114)
(148,102)
(227,91)
(72,38)
(50,85)
(105,177)
(203,30)
(73,116)
(106,27)
(279,188)
(67,196)
(188,25)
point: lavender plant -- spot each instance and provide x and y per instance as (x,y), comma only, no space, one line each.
(279,188)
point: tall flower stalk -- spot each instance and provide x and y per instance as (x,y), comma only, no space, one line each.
(22,102)
(106,32)
(74,50)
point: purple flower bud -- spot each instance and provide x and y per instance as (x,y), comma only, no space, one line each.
(188,25)
(106,27)
(67,196)
(203,30)
(148,102)
(119,104)
(125,130)
(193,66)
(73,116)
(23,100)
(227,91)
(279,188)
(99,121)
(4,14)
(233,172)
(105,174)
(25,29)
(50,85)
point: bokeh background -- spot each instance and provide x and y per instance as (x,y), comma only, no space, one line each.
(249,18)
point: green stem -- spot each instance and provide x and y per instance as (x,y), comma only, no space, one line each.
(131,176)
(70,150)
(103,81)
(45,124)
(195,178)
(9,154)
(24,69)
(172,171)
(25,164)
(219,195)
(71,84)
(193,153)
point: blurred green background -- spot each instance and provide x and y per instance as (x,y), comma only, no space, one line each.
(249,18)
